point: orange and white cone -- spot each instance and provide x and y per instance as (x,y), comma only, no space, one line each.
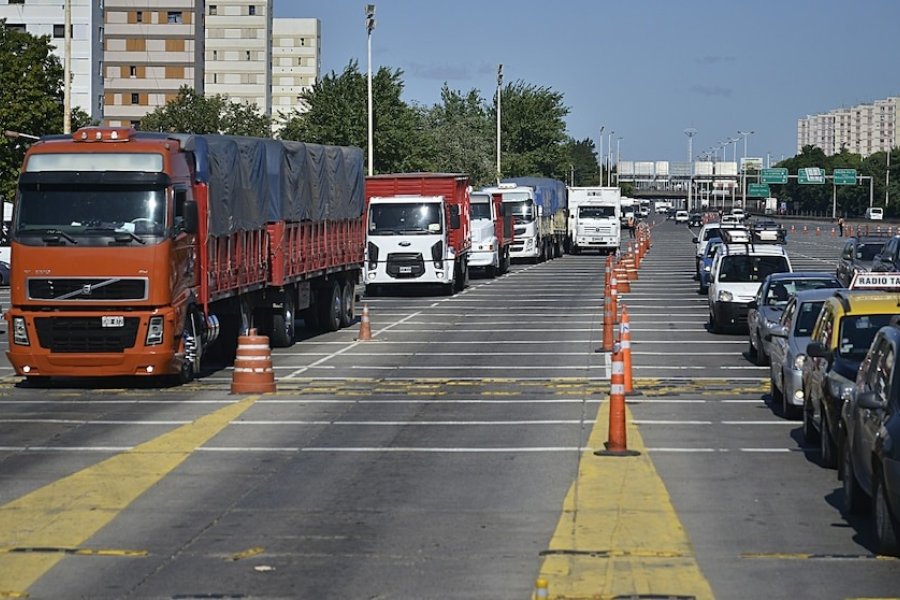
(253,373)
(365,328)
(625,335)
(617,443)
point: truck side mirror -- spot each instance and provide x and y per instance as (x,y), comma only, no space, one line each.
(191,217)
(454,217)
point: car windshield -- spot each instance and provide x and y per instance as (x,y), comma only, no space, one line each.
(857,333)
(389,219)
(596,212)
(712,232)
(480,210)
(745,268)
(806,318)
(868,251)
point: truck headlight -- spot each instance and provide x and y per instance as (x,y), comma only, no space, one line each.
(20,332)
(155,331)
(725,296)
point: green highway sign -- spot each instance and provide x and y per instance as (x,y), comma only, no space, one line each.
(774,176)
(811,176)
(844,176)
(758,190)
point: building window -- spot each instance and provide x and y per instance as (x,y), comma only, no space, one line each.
(132,71)
(213,9)
(59,31)
(252,9)
(215,78)
(20,27)
(174,16)
(135,98)
(215,55)
(135,124)
(248,55)
(139,16)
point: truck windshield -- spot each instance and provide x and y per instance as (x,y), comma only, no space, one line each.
(98,210)
(744,268)
(480,210)
(393,219)
(857,333)
(522,211)
(596,212)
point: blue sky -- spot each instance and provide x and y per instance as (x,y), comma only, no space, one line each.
(647,69)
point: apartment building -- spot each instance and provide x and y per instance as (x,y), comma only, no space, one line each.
(47,17)
(863,129)
(238,51)
(151,49)
(296,64)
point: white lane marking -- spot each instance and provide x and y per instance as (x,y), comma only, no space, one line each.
(413,423)
(664,422)
(510,401)
(541,330)
(687,450)
(470,368)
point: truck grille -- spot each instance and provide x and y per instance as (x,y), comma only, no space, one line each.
(403,265)
(85,334)
(93,289)
(519,230)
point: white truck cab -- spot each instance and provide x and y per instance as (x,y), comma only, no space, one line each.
(595,215)
(737,271)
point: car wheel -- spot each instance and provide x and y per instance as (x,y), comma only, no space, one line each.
(886,525)
(853,494)
(810,435)
(826,443)
(713,324)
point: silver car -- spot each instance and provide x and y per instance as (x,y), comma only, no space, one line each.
(788,349)
(771,299)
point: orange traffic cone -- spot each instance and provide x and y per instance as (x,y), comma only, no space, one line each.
(608,315)
(365,328)
(617,443)
(623,285)
(818,230)
(625,332)
(253,372)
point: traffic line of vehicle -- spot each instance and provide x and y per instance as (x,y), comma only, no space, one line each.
(67,512)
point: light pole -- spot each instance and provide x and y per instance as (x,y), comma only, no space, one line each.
(745,134)
(690,132)
(618,139)
(370,25)
(499,88)
(887,179)
(609,159)
(602,127)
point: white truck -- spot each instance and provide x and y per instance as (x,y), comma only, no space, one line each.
(538,207)
(492,233)
(595,215)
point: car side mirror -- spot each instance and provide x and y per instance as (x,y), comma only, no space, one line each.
(752,304)
(818,350)
(778,331)
(869,400)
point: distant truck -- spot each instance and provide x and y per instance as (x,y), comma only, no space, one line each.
(137,253)
(539,207)
(492,234)
(595,219)
(417,230)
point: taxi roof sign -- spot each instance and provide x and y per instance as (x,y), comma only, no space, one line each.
(876,281)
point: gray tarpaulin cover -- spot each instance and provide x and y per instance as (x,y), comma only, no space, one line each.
(549,193)
(254,181)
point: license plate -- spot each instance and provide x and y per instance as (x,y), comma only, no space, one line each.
(112,321)
(406,269)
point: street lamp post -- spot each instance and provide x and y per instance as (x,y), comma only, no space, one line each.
(745,134)
(499,88)
(618,139)
(370,25)
(602,127)
(690,132)
(609,159)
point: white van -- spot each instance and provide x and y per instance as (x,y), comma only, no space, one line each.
(875,213)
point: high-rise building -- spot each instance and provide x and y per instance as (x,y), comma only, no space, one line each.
(151,49)
(863,129)
(239,51)
(296,64)
(47,17)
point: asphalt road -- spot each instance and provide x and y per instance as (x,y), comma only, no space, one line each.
(432,462)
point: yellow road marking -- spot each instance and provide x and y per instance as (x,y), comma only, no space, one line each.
(620,506)
(66,513)
(248,553)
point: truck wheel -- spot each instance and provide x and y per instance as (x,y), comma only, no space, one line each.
(283,325)
(348,304)
(504,263)
(331,307)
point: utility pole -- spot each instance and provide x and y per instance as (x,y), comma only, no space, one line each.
(745,134)
(499,88)
(690,132)
(887,179)
(602,127)
(370,25)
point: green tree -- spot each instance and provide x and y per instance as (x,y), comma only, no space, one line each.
(583,160)
(459,136)
(337,114)
(31,98)
(191,112)
(533,131)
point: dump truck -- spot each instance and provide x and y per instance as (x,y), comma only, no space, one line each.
(141,254)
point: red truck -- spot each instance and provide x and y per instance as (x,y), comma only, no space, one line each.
(417,230)
(492,234)
(137,253)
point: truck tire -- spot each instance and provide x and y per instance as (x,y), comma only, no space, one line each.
(283,322)
(504,261)
(331,307)
(348,303)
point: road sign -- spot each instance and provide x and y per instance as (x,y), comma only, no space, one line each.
(844,176)
(811,176)
(774,175)
(758,190)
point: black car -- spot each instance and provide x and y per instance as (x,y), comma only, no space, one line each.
(857,255)
(888,259)
(4,273)
(695,219)
(870,458)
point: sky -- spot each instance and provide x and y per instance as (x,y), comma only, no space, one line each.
(643,69)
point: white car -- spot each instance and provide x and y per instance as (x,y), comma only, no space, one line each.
(681,216)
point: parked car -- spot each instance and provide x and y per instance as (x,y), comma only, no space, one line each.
(787,350)
(857,256)
(706,233)
(706,263)
(870,456)
(774,293)
(695,219)
(888,258)
(840,339)
(4,273)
